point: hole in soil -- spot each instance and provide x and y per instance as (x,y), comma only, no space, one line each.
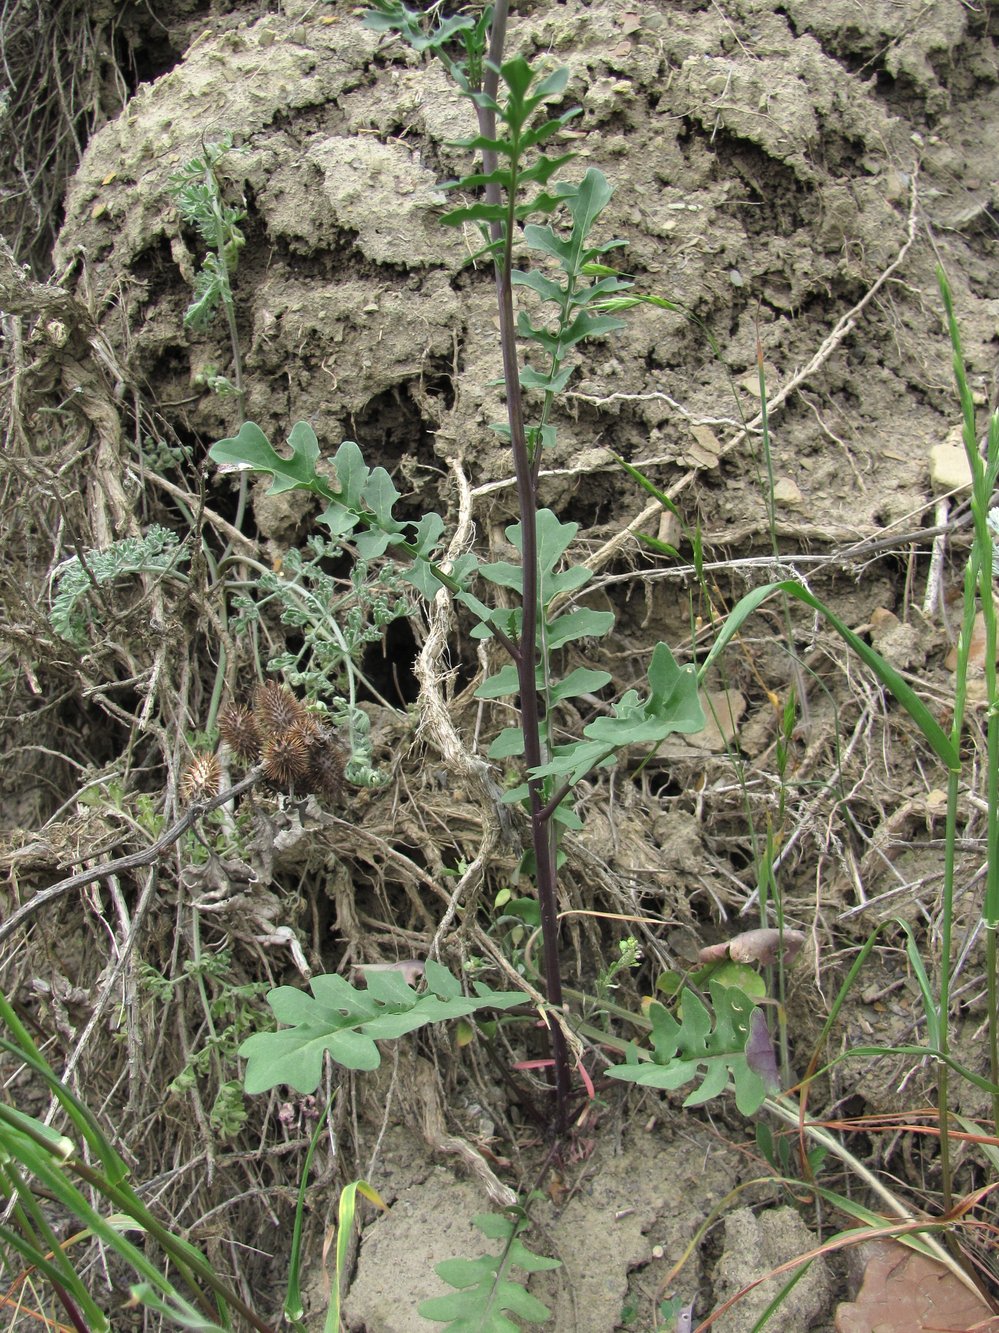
(465,668)
(153,269)
(588,506)
(438,382)
(389,427)
(777,203)
(86,735)
(144,53)
(388,666)
(394,432)
(664,783)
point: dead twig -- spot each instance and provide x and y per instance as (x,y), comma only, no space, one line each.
(130,862)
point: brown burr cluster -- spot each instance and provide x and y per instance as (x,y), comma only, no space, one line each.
(298,753)
(201,779)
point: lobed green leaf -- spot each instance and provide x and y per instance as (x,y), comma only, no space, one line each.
(582,680)
(582,623)
(549,382)
(546,288)
(346,1022)
(499,684)
(509,744)
(251,450)
(696,1048)
(564,580)
(504,574)
(485,1290)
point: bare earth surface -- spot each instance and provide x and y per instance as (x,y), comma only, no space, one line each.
(790,173)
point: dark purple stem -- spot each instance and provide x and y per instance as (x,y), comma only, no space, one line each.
(525,470)
(72,1313)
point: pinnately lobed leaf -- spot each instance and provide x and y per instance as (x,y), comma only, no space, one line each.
(734,1048)
(345,1021)
(485,1290)
(251,450)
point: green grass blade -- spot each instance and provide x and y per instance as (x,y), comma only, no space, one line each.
(647,485)
(935,737)
(781,1296)
(56,1277)
(24,1048)
(345,1226)
(293,1307)
(180,1313)
(930,1008)
(989,1150)
(39,1163)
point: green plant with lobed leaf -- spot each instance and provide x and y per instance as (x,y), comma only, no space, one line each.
(347,1022)
(78,597)
(516,187)
(540,234)
(522,213)
(485,1292)
(197,191)
(334,623)
(521,210)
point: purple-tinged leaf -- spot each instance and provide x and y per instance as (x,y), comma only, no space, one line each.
(760,1052)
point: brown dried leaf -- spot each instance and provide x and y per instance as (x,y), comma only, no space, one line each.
(755,946)
(976,650)
(411,969)
(904,1292)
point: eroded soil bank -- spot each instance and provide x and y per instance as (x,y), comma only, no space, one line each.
(790,174)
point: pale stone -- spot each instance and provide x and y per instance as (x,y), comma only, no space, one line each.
(705,450)
(949,469)
(670,531)
(751,382)
(787,492)
(755,1245)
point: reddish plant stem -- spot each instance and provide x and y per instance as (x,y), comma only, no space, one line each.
(525,470)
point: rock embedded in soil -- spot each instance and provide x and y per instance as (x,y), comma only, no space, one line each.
(949,469)
(744,145)
(755,1244)
(427,1223)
